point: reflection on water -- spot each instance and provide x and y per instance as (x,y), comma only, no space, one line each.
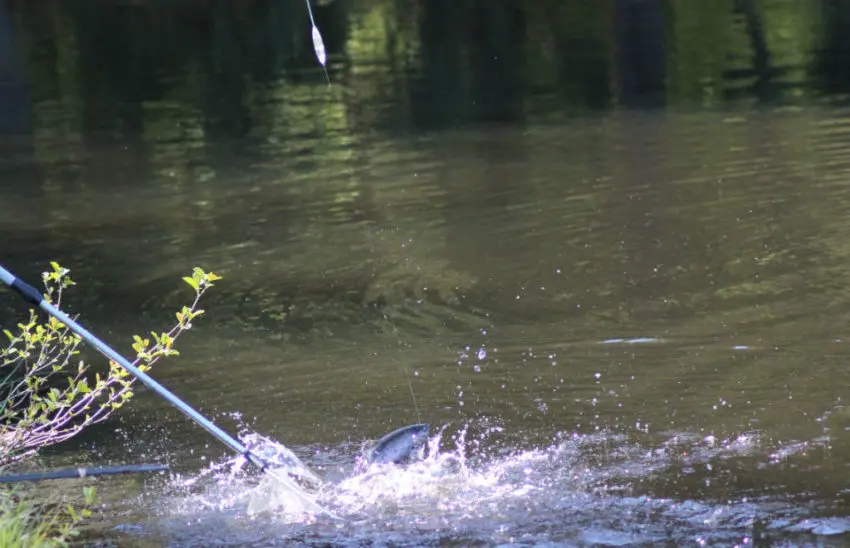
(616,229)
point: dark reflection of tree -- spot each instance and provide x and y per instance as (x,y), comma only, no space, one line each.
(763,86)
(755,31)
(119,68)
(640,52)
(16,141)
(832,58)
(496,63)
(226,116)
(14,96)
(582,43)
(438,92)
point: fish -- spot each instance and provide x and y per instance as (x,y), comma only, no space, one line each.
(399,445)
(296,486)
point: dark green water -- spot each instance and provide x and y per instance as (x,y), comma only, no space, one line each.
(616,229)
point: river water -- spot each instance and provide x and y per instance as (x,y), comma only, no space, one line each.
(599,247)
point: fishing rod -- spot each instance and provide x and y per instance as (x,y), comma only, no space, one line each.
(71,473)
(35,298)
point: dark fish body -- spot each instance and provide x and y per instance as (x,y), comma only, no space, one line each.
(398,445)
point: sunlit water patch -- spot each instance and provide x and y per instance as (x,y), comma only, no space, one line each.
(578,490)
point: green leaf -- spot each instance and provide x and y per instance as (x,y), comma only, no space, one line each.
(47,346)
(89,493)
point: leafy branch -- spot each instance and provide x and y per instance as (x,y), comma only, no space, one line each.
(46,399)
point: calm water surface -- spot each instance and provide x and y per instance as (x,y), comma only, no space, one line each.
(602,248)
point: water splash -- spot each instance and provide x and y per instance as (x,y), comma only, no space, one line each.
(600,489)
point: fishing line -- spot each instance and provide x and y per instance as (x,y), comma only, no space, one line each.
(318,43)
(412,394)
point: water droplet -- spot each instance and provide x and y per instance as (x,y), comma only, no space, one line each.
(482,353)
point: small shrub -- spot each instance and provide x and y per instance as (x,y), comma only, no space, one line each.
(25,525)
(47,398)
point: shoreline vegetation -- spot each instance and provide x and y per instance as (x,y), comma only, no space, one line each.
(47,396)
(25,523)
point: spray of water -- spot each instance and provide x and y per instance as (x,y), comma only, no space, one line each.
(476,487)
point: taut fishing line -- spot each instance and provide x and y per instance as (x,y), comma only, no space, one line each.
(318,43)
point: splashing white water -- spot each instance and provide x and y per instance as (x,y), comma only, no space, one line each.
(585,488)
